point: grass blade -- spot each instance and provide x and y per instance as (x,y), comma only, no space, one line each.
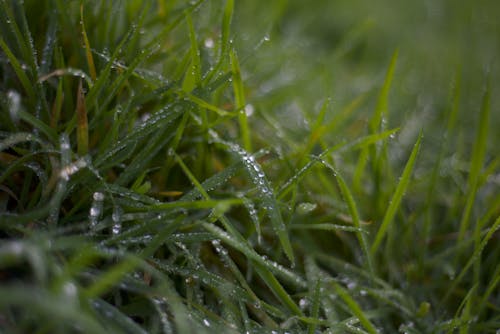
(25,81)
(192,78)
(353,210)
(268,198)
(88,52)
(396,198)
(239,97)
(355,308)
(82,127)
(477,161)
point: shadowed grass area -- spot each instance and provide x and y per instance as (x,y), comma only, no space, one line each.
(249,167)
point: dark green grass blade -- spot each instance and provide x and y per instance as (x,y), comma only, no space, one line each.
(477,161)
(354,308)
(239,97)
(268,198)
(396,198)
(353,210)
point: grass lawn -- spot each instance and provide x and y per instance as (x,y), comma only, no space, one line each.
(221,166)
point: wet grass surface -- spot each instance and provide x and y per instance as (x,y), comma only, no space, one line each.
(249,167)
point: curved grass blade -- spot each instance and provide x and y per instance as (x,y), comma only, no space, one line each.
(17,138)
(396,198)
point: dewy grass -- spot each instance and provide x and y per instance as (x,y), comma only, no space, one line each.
(222,166)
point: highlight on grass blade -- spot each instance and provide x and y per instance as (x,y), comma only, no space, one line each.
(82,127)
(397,197)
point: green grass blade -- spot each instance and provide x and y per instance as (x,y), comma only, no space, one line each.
(354,308)
(396,198)
(277,269)
(239,97)
(192,78)
(353,210)
(25,81)
(315,307)
(476,256)
(377,120)
(88,52)
(477,161)
(82,127)
(359,143)
(278,289)
(39,125)
(224,40)
(268,198)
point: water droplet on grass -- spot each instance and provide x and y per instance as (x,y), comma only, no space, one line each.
(303,303)
(14,102)
(209,43)
(70,290)
(96,208)
(98,196)
(249,110)
(305,208)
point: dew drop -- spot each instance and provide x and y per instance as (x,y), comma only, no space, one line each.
(70,290)
(303,303)
(14,102)
(98,196)
(209,43)
(249,110)
(96,208)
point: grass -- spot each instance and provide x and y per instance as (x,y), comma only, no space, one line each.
(249,167)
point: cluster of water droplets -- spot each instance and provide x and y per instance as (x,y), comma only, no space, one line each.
(116,217)
(72,168)
(254,217)
(95,211)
